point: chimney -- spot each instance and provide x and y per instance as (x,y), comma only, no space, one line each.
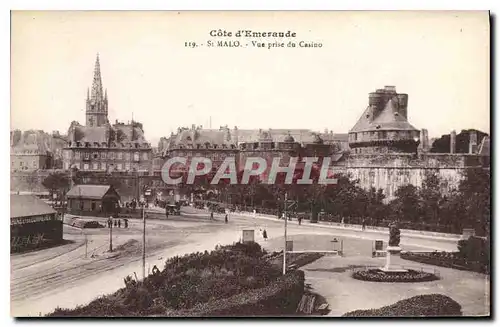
(424,137)
(193,127)
(453,141)
(473,142)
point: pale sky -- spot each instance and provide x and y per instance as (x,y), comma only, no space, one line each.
(441,59)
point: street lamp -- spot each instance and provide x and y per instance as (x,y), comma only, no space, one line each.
(416,139)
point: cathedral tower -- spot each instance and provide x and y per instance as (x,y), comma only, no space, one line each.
(97,102)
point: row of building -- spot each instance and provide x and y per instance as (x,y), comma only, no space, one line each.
(383,149)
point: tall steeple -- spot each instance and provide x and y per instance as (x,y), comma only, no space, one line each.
(97,94)
(97,103)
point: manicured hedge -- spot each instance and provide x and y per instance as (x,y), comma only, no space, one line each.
(430,305)
(473,255)
(410,276)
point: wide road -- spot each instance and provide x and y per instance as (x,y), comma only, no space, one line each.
(76,273)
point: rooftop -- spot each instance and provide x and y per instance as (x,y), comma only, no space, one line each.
(28,205)
(88,191)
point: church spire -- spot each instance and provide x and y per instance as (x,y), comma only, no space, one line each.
(97,103)
(97,94)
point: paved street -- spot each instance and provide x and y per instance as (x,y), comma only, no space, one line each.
(63,276)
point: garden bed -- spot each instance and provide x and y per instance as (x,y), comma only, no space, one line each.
(231,280)
(429,305)
(409,276)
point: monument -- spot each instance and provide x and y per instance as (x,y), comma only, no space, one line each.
(393,249)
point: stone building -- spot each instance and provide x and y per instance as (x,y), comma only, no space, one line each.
(386,152)
(30,151)
(100,146)
(242,144)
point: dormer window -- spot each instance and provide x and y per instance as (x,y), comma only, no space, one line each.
(188,139)
(87,144)
(78,144)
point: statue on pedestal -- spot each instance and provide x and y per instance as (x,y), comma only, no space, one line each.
(394,235)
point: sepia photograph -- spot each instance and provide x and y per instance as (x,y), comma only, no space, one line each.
(192,164)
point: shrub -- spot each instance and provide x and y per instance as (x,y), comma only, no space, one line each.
(473,255)
(475,249)
(430,305)
(187,281)
(279,297)
(378,275)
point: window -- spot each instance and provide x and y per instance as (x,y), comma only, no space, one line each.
(127,155)
(95,155)
(103,155)
(77,155)
(127,166)
(95,166)
(145,156)
(119,166)
(20,163)
(86,166)
(66,165)
(120,156)
(103,166)
(93,206)
(111,155)
(136,156)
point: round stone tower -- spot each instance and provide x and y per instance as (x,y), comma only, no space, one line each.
(383,127)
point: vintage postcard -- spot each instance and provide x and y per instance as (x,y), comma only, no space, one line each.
(252,164)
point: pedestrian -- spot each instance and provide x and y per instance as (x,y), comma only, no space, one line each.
(109,222)
(225,219)
(342,221)
(115,223)
(300,220)
(211,215)
(125,222)
(264,235)
(363,226)
(166,211)
(119,223)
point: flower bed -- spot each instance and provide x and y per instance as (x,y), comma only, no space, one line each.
(378,275)
(429,305)
(232,280)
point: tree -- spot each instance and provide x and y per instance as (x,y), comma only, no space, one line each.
(442,145)
(474,191)
(32,180)
(376,209)
(406,205)
(56,183)
(431,198)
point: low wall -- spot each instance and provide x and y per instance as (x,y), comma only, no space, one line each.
(409,232)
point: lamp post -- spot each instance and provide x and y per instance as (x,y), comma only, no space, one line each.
(284,249)
(416,139)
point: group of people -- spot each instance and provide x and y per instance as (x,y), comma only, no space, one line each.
(226,218)
(117,222)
